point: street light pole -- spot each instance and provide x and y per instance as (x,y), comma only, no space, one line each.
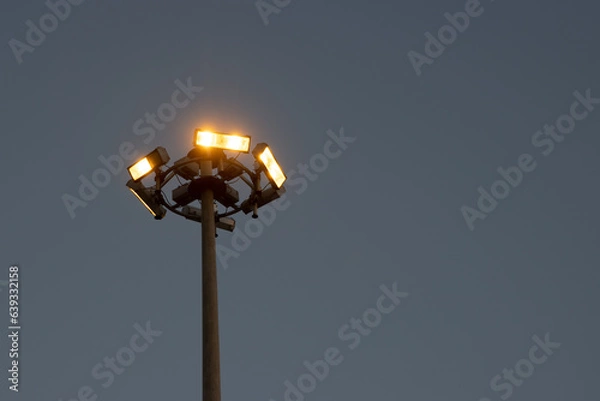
(211,369)
(207,155)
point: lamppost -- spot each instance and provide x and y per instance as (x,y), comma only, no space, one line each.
(198,169)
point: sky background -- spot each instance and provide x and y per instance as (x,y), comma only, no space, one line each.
(386,211)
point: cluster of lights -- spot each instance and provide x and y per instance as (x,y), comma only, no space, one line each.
(152,200)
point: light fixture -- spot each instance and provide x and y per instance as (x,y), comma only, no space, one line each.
(195,214)
(229,197)
(187,169)
(223,193)
(148,198)
(182,196)
(230,170)
(239,143)
(158,157)
(265,158)
(262,199)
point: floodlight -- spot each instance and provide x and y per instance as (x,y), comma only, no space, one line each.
(182,196)
(226,223)
(224,193)
(148,198)
(262,199)
(186,168)
(230,171)
(265,158)
(195,214)
(158,157)
(239,143)
(229,197)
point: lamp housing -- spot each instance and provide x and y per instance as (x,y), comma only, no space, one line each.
(195,214)
(186,168)
(181,195)
(263,155)
(262,198)
(219,140)
(155,159)
(230,171)
(224,193)
(148,198)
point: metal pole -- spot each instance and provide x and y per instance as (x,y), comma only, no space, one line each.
(211,369)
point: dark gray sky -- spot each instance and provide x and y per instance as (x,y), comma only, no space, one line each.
(387,210)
